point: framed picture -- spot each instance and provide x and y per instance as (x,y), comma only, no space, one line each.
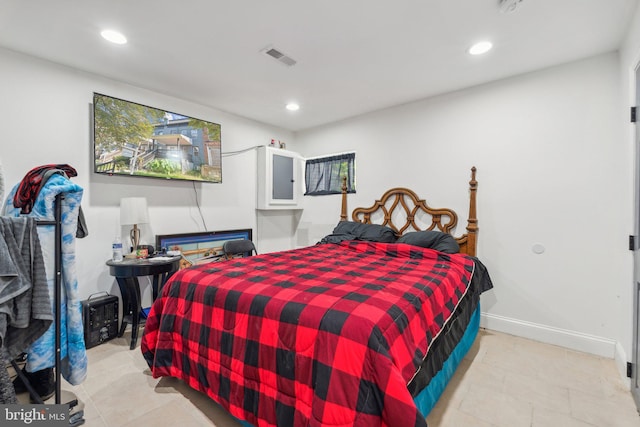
(201,247)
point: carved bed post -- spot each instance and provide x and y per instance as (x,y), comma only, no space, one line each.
(472,227)
(343,213)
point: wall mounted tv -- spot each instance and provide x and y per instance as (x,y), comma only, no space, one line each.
(131,139)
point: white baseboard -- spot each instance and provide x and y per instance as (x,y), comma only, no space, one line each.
(561,337)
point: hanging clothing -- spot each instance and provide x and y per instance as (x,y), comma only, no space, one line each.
(25,305)
(41,354)
(29,188)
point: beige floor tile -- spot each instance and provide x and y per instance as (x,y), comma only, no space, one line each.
(538,393)
(456,418)
(203,408)
(575,377)
(476,372)
(585,362)
(493,340)
(169,415)
(108,372)
(496,408)
(106,349)
(516,359)
(504,381)
(95,423)
(536,351)
(603,412)
(91,414)
(547,418)
(613,384)
(132,396)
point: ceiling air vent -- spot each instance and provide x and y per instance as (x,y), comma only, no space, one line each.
(279,56)
(508,6)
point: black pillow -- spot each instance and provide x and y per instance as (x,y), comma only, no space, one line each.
(431,239)
(368,232)
(337,238)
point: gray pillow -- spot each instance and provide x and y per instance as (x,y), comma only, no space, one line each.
(431,239)
(368,232)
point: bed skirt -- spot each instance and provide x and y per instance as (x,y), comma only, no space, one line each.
(427,398)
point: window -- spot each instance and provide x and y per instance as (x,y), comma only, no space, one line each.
(323,175)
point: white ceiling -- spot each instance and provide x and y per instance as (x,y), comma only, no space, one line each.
(353,56)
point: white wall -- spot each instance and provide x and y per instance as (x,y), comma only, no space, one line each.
(553,168)
(45,110)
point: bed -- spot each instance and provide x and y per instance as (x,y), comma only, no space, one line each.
(363,329)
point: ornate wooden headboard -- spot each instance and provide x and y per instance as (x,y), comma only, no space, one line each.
(410,206)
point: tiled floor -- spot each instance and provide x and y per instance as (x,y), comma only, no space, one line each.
(504,381)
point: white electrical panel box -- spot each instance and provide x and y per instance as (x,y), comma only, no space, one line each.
(280,181)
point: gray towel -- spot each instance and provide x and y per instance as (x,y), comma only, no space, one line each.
(25,305)
(7,392)
(10,283)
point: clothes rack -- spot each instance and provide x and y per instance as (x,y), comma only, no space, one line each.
(57,223)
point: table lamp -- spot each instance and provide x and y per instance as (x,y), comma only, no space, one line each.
(133,211)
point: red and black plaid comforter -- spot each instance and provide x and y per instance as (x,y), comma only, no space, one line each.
(327,335)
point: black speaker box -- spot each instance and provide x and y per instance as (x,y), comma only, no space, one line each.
(100,317)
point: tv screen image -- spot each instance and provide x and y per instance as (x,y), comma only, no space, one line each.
(135,140)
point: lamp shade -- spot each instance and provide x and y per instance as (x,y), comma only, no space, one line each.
(133,210)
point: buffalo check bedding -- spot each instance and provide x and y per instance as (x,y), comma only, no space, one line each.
(328,335)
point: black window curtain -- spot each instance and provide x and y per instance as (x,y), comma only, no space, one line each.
(324,175)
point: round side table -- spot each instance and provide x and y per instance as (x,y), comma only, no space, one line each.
(126,273)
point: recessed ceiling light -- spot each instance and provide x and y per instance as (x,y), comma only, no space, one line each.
(292,106)
(480,48)
(114,36)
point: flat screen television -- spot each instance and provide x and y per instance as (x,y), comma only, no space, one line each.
(131,139)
